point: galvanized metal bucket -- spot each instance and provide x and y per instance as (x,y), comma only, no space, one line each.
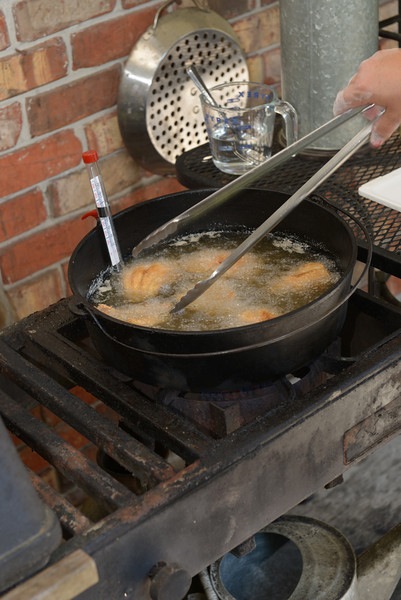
(322,45)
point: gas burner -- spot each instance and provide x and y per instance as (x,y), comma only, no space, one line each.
(219,413)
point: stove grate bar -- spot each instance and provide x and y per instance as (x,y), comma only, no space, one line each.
(72,521)
(100,431)
(64,457)
(55,351)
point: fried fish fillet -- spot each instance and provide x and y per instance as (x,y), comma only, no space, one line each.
(219,299)
(142,281)
(138,314)
(307,274)
(256,315)
(204,262)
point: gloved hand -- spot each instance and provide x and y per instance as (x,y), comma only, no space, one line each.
(377,81)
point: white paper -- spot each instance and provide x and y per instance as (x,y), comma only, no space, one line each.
(384,190)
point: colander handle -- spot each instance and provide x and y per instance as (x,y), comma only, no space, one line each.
(201,4)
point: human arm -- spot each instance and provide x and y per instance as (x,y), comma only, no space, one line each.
(377,81)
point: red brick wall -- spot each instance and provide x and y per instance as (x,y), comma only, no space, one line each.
(60,65)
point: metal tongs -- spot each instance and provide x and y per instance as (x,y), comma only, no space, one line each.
(223,194)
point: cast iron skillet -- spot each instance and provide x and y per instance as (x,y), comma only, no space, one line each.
(223,359)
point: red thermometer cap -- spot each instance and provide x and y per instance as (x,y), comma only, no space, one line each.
(90,156)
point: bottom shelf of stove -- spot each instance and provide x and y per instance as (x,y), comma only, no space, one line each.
(353,547)
(361,513)
(228,488)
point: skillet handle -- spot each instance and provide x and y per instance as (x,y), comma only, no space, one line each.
(78,307)
(83,309)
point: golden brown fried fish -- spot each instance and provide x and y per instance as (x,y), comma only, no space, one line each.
(256,315)
(204,262)
(219,299)
(307,274)
(146,315)
(142,281)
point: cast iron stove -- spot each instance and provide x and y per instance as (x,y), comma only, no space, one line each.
(169,494)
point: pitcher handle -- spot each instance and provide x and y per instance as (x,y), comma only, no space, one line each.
(290,118)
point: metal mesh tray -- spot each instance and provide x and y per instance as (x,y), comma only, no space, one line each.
(195,169)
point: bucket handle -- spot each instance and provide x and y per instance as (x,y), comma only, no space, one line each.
(201,4)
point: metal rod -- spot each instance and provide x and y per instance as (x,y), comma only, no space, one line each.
(317,179)
(235,186)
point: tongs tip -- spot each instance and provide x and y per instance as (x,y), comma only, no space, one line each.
(198,289)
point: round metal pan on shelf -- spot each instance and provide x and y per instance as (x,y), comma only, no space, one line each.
(159,112)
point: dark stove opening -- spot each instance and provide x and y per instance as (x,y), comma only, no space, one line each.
(272,570)
(369,322)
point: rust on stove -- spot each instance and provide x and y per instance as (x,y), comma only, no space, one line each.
(226,419)
(72,521)
(373,430)
(244,548)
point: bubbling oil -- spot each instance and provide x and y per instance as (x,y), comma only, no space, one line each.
(282,273)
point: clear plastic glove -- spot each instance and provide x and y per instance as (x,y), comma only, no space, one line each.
(377,81)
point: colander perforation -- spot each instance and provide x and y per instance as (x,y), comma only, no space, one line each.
(159,112)
(173,112)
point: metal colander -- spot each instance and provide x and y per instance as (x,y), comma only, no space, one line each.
(159,111)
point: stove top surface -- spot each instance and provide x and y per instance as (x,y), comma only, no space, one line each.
(179,470)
